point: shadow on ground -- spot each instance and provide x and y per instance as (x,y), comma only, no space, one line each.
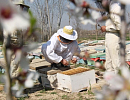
(36,88)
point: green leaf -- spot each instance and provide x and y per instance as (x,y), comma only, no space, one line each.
(32,23)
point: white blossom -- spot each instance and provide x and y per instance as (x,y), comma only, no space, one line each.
(125,72)
(105,94)
(12,18)
(16,86)
(31,1)
(99,96)
(83,14)
(18,56)
(79,2)
(125,1)
(123,95)
(86,21)
(116,82)
(76,12)
(20,91)
(16,22)
(30,79)
(24,63)
(29,83)
(97,64)
(95,15)
(30,47)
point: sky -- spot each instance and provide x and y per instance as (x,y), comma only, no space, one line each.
(86,27)
(89,26)
(65,18)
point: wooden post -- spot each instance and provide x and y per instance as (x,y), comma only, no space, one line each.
(96,30)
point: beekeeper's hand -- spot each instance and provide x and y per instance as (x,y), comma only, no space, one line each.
(64,62)
(103,28)
(74,60)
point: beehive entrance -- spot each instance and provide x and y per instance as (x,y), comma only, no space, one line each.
(75,71)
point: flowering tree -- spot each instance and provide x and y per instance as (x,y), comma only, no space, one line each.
(119,83)
(13,19)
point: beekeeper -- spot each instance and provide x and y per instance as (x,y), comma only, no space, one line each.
(112,40)
(61,47)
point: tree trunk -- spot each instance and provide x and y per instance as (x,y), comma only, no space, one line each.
(48,19)
(69,13)
(7,68)
(59,15)
(52,16)
(123,36)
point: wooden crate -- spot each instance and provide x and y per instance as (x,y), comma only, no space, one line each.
(75,80)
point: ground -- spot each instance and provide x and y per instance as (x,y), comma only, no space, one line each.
(38,93)
(60,95)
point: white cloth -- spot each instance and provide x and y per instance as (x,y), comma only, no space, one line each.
(112,52)
(54,51)
(112,40)
(115,22)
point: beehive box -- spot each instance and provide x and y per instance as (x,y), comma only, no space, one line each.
(75,80)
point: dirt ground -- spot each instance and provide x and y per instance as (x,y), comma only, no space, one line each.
(59,95)
(39,93)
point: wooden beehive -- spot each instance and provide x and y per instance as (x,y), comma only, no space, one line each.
(75,80)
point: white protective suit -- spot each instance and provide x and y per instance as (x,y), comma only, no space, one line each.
(54,51)
(112,39)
